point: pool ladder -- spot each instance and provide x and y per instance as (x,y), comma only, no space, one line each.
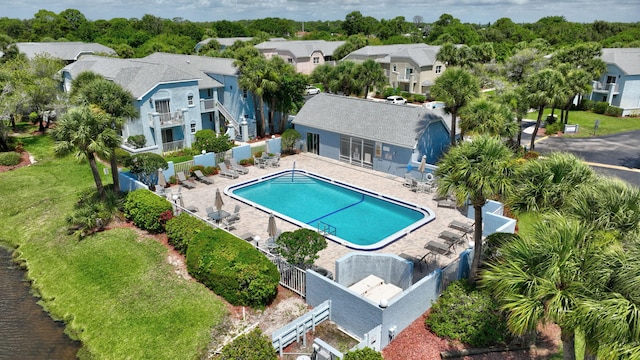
(326,229)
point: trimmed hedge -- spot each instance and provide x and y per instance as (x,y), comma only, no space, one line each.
(145,209)
(252,345)
(468,315)
(10,158)
(182,229)
(232,268)
(366,353)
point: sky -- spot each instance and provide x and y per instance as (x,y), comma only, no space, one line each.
(468,11)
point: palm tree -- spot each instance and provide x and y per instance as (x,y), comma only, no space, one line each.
(545,183)
(546,87)
(456,87)
(476,171)
(515,99)
(87,130)
(371,75)
(543,277)
(323,74)
(344,78)
(258,78)
(608,204)
(116,102)
(483,116)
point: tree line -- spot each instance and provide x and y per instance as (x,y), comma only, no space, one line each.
(139,37)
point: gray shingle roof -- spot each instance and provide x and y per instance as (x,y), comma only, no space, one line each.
(301,48)
(392,124)
(136,75)
(198,66)
(68,51)
(421,54)
(627,59)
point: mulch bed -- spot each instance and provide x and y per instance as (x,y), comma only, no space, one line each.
(416,342)
(23,162)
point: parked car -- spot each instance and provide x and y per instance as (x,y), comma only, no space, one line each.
(396,99)
(311,90)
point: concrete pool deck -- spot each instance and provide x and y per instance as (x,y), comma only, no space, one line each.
(254,221)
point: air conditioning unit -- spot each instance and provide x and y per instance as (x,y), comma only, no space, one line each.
(323,354)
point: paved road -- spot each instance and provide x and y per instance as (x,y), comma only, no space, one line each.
(614,155)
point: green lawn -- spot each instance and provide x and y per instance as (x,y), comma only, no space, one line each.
(586,121)
(115,290)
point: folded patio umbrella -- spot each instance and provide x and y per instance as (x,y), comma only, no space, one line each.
(272,230)
(423,164)
(162,182)
(218,202)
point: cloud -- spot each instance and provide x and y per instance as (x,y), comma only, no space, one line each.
(471,11)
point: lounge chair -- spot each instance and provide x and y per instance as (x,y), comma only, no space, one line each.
(233,165)
(182,179)
(226,172)
(407,180)
(202,178)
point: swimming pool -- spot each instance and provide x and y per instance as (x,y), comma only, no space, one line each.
(352,216)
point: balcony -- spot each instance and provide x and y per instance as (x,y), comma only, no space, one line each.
(605,88)
(207,105)
(167,119)
(172,145)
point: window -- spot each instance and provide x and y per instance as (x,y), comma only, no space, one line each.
(357,151)
(193,127)
(290,60)
(190,99)
(163,108)
(438,69)
(395,68)
(611,79)
(316,60)
(244,93)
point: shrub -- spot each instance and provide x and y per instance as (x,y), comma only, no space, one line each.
(468,315)
(137,141)
(92,212)
(554,128)
(586,104)
(531,155)
(209,141)
(145,208)
(182,229)
(390,91)
(244,162)
(122,157)
(600,107)
(613,111)
(301,247)
(232,268)
(257,154)
(210,170)
(289,138)
(252,345)
(145,166)
(419,98)
(10,158)
(363,354)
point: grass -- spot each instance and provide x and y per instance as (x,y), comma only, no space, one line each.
(114,290)
(586,121)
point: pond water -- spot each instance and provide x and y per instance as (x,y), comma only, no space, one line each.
(26,330)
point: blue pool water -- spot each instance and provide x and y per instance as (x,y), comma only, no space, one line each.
(355,217)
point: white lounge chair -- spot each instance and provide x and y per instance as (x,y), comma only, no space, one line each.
(233,165)
(182,179)
(226,172)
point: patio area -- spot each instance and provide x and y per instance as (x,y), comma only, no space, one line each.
(255,222)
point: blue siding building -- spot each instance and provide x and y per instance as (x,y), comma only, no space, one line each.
(384,137)
(175,95)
